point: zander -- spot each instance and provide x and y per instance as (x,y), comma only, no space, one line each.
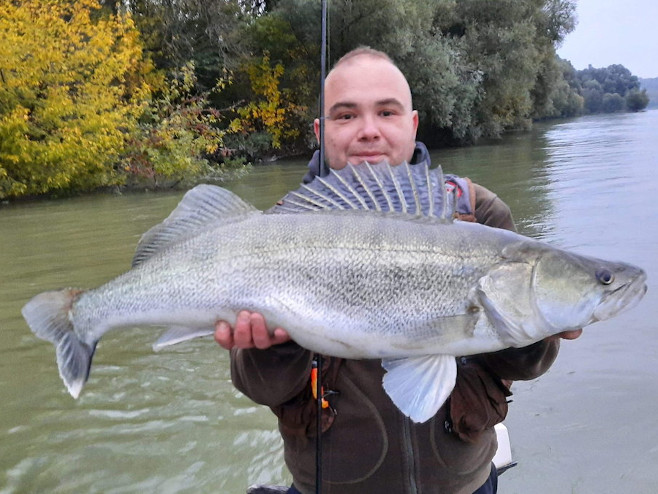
(367,264)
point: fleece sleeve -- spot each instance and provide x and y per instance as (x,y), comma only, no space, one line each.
(271,377)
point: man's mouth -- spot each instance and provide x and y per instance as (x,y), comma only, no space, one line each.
(370,157)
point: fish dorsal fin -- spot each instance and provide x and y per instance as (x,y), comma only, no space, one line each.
(200,207)
(411,189)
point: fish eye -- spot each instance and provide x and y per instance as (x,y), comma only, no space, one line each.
(604,276)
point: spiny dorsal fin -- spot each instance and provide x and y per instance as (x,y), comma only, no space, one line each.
(411,189)
(201,206)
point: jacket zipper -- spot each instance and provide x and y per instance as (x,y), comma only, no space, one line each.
(409,457)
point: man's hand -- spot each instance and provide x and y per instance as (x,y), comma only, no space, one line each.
(250,332)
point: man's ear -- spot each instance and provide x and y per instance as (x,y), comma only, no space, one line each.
(414,116)
(316,128)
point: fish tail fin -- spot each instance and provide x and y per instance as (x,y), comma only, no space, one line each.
(47,314)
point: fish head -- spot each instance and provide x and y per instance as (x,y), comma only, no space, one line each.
(538,291)
(573,291)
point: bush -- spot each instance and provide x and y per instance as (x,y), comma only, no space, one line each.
(72,87)
(612,102)
(178,140)
(637,100)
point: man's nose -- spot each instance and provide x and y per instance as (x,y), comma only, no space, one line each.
(369,129)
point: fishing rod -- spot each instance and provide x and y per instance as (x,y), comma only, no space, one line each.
(318,358)
(323,75)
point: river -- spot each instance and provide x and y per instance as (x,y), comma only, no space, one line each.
(171,422)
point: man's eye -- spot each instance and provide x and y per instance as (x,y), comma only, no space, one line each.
(345,116)
(387,113)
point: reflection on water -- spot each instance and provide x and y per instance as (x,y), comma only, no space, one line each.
(172,422)
(587,425)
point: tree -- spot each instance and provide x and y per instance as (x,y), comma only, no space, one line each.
(557,19)
(72,88)
(274,94)
(637,100)
(610,89)
(476,67)
(270,111)
(566,97)
(207,33)
(178,140)
(557,92)
(593,95)
(612,102)
(500,41)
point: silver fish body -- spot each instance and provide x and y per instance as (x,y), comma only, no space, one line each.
(413,291)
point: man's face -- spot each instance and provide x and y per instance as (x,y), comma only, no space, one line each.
(368,114)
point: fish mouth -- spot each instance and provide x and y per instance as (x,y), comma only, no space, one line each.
(623,298)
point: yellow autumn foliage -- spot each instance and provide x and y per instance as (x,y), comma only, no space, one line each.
(270,110)
(72,84)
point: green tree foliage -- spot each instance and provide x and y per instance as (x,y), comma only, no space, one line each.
(476,67)
(556,19)
(651,88)
(637,100)
(71,90)
(228,35)
(498,40)
(274,92)
(610,89)
(552,95)
(177,140)
(557,92)
(206,32)
(612,102)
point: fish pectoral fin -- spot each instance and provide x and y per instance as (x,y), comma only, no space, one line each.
(420,385)
(178,334)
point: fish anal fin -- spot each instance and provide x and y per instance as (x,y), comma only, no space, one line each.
(178,334)
(419,386)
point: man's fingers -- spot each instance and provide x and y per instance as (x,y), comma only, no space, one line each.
(571,335)
(224,335)
(259,333)
(242,331)
(249,331)
(280,336)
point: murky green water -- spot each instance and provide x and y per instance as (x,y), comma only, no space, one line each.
(172,422)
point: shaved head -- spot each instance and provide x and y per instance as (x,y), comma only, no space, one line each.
(368,111)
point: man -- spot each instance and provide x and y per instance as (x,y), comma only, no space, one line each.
(368,444)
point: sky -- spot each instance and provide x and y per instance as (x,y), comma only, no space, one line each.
(614,32)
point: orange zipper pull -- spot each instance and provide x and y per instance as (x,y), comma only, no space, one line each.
(314,385)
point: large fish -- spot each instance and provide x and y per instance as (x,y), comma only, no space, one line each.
(367,266)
